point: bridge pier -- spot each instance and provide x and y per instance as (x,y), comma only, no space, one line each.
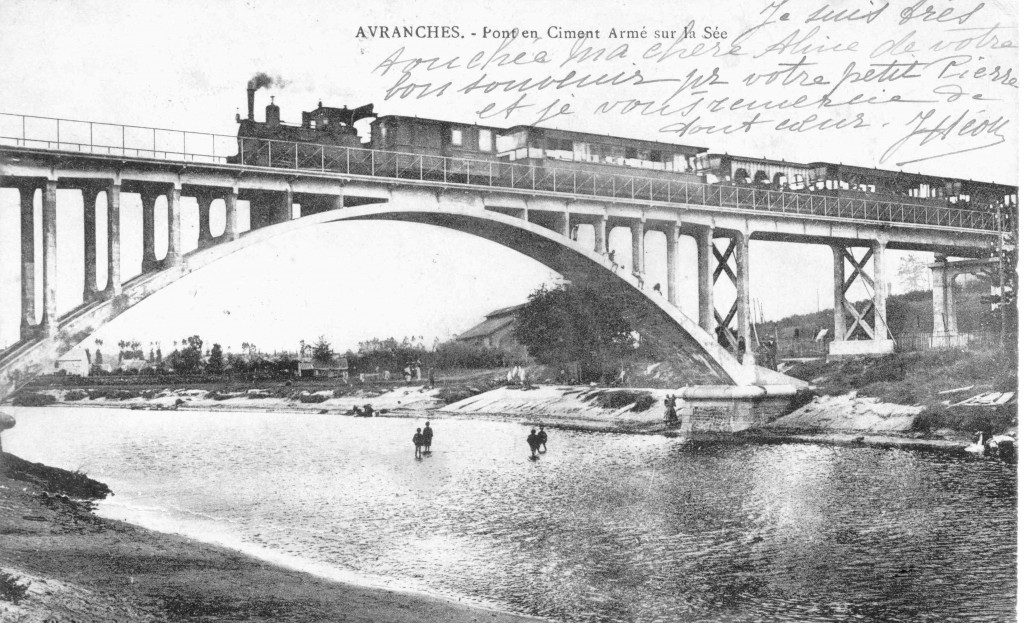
(672,263)
(174,252)
(90,287)
(28,261)
(205,200)
(743,297)
(637,230)
(113,240)
(601,235)
(705,239)
(48,325)
(944,325)
(149,261)
(860,337)
(737,250)
(230,215)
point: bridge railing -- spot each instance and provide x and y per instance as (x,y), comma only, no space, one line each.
(165,144)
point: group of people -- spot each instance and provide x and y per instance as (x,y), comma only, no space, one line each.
(422,440)
(537,440)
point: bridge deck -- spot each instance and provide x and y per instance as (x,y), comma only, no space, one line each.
(81,137)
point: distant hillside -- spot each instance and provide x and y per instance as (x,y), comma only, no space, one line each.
(906,313)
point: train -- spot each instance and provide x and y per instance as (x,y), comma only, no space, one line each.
(416,147)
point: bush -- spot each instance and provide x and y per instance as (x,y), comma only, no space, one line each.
(33,400)
(450,395)
(619,398)
(75,395)
(312,398)
(10,590)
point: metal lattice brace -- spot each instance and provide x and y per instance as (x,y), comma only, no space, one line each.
(723,324)
(843,307)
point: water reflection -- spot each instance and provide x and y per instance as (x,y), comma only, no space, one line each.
(604,527)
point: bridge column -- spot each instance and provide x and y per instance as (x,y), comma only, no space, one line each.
(637,230)
(705,279)
(672,263)
(601,235)
(284,208)
(89,195)
(743,296)
(205,200)
(28,261)
(149,261)
(49,321)
(944,323)
(231,215)
(881,292)
(113,240)
(839,292)
(868,321)
(173,226)
(566,226)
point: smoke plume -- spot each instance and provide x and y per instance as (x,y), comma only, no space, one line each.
(262,80)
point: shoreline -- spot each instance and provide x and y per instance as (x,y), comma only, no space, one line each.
(80,566)
(647,423)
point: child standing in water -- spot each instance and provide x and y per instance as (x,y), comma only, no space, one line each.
(542,439)
(532,440)
(417,440)
(428,437)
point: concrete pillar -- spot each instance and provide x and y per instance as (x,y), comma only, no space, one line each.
(743,295)
(881,290)
(174,253)
(205,235)
(284,208)
(673,262)
(28,261)
(231,215)
(149,261)
(637,230)
(113,240)
(601,235)
(944,322)
(838,296)
(705,279)
(89,239)
(566,226)
(49,322)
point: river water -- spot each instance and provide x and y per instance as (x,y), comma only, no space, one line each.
(604,527)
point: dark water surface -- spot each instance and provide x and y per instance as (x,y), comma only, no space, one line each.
(604,527)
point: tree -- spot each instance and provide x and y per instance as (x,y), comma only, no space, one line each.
(322,351)
(216,361)
(574,324)
(913,273)
(190,358)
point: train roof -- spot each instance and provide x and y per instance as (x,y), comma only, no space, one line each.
(606,138)
(890,174)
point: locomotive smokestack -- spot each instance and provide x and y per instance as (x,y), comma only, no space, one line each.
(252,103)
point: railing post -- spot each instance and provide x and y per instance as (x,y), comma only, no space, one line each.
(270,153)
(323,166)
(373,163)
(421,167)
(490,172)
(296,155)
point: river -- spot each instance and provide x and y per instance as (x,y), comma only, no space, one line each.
(604,527)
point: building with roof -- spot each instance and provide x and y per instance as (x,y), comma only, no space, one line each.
(496,329)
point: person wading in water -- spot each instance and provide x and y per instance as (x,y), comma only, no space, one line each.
(428,437)
(532,440)
(417,440)
(542,439)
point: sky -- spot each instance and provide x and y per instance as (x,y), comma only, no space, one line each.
(184,65)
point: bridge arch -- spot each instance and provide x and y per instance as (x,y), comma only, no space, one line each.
(676,338)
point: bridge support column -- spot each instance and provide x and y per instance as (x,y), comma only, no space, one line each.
(566,226)
(284,208)
(705,279)
(672,260)
(860,337)
(231,215)
(637,230)
(743,297)
(944,323)
(28,262)
(881,292)
(89,289)
(601,235)
(205,200)
(113,240)
(174,253)
(49,321)
(149,261)
(838,293)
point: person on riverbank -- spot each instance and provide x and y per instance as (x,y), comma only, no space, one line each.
(428,437)
(670,409)
(532,440)
(542,439)
(417,440)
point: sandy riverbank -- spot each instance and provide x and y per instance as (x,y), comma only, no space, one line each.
(79,567)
